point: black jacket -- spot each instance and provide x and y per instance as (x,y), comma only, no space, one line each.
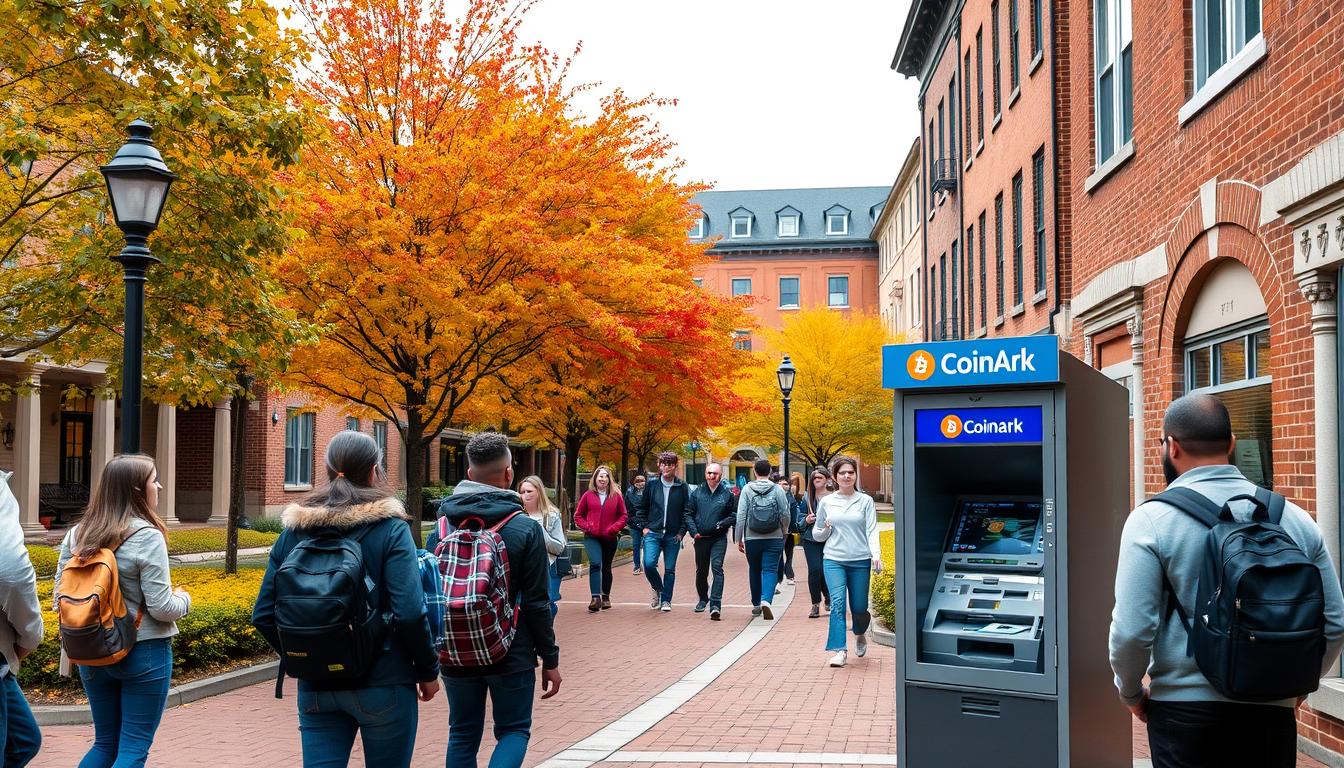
(711,514)
(632,498)
(650,513)
(529,578)
(389,560)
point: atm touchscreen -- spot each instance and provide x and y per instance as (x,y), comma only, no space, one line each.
(987,527)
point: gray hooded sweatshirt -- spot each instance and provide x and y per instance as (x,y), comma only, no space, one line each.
(781,498)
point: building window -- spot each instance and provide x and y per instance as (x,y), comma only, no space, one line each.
(994,50)
(1037,23)
(914,298)
(952,118)
(837,291)
(741,286)
(741,226)
(742,341)
(980,84)
(1038,214)
(931,144)
(966,99)
(1112,42)
(1017,239)
(1234,367)
(941,320)
(1014,70)
(298,447)
(1222,29)
(788,225)
(788,293)
(380,437)
(942,126)
(1122,374)
(984,276)
(998,251)
(837,223)
(352,423)
(970,277)
(699,282)
(698,231)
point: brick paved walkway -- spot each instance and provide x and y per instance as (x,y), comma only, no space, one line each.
(780,697)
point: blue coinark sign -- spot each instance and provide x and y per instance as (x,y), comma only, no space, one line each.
(979,426)
(979,363)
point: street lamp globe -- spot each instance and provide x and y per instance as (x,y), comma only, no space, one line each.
(786,374)
(138,182)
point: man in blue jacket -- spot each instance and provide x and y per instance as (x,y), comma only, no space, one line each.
(661,516)
(710,514)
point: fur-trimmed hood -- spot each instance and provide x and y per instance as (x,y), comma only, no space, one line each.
(298,516)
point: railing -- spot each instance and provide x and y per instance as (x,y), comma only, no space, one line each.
(945,174)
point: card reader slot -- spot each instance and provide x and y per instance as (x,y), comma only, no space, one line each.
(983,591)
(1016,594)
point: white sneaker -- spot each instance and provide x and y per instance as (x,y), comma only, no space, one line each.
(655,600)
(789,582)
(766,612)
(666,607)
(838,660)
(861,646)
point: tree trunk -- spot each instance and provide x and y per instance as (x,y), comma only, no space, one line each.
(413,446)
(572,447)
(237,472)
(625,456)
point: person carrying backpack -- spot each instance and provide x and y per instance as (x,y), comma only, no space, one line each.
(1225,596)
(20,634)
(763,511)
(343,606)
(492,554)
(117,623)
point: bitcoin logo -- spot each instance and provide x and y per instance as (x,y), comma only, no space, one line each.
(919,365)
(951,426)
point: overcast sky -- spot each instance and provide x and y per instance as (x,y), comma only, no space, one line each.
(772,93)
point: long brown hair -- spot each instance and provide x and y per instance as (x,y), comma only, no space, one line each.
(611,480)
(120,497)
(545,505)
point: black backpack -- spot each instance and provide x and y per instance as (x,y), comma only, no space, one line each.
(1259,633)
(328,629)
(762,511)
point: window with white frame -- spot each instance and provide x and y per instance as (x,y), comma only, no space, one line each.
(742,341)
(741,226)
(1222,28)
(1113,81)
(1233,365)
(298,447)
(788,225)
(788,292)
(352,423)
(741,286)
(380,437)
(699,282)
(914,298)
(698,231)
(1122,374)
(837,291)
(837,223)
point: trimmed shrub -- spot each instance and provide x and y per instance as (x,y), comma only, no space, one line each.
(191,541)
(266,524)
(44,559)
(883,591)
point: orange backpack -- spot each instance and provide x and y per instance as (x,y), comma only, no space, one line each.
(95,628)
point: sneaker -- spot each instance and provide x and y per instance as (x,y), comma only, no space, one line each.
(606,602)
(701,606)
(815,611)
(838,660)
(778,590)
(861,646)
(665,607)
(756,611)
(639,571)
(789,582)
(655,600)
(714,613)
(766,611)
(826,605)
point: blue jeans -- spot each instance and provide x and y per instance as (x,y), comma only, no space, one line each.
(554,574)
(385,716)
(127,701)
(601,553)
(847,582)
(669,547)
(19,734)
(763,568)
(637,547)
(511,700)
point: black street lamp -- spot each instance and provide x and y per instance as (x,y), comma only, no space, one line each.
(694,445)
(786,374)
(137,183)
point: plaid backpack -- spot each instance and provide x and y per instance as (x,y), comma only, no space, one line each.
(479,620)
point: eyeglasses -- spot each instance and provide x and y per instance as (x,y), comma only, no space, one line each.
(711,474)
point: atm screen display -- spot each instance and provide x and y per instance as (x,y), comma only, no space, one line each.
(997,528)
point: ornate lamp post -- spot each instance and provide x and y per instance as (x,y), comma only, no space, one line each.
(786,374)
(137,183)
(694,445)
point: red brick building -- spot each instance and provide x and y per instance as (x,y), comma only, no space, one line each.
(996,229)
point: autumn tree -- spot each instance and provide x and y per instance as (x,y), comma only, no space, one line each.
(838,404)
(460,214)
(214,77)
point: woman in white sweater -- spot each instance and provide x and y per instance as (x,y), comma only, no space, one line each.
(847,525)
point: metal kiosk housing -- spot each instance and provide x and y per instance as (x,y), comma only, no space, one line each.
(1025,423)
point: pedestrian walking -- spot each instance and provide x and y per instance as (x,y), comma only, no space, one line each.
(710,514)
(387,660)
(539,507)
(785,575)
(20,634)
(847,525)
(818,486)
(601,515)
(661,517)
(634,491)
(762,523)
(484,500)
(121,525)
(1192,720)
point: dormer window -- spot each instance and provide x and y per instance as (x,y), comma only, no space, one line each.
(740,223)
(698,231)
(837,220)
(789,221)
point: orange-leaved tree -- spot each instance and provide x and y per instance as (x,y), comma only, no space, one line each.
(460,214)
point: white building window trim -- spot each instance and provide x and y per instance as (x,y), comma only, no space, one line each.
(830,293)
(733,231)
(1118,373)
(796,304)
(843,218)
(791,219)
(732,286)
(1223,78)
(300,427)
(1117,37)
(1234,37)
(698,232)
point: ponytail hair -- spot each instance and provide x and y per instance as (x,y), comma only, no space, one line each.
(354,472)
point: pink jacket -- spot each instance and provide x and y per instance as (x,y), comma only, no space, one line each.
(604,521)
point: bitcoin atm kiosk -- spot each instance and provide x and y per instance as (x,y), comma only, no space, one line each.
(1012,463)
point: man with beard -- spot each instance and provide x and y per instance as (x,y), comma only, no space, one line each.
(1189,722)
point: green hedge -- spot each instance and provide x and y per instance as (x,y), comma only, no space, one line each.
(266,524)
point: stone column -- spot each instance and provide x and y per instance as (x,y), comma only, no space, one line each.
(1135,327)
(165,458)
(28,454)
(103,448)
(222,475)
(1318,287)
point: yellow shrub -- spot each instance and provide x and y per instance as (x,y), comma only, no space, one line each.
(884,584)
(44,560)
(184,542)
